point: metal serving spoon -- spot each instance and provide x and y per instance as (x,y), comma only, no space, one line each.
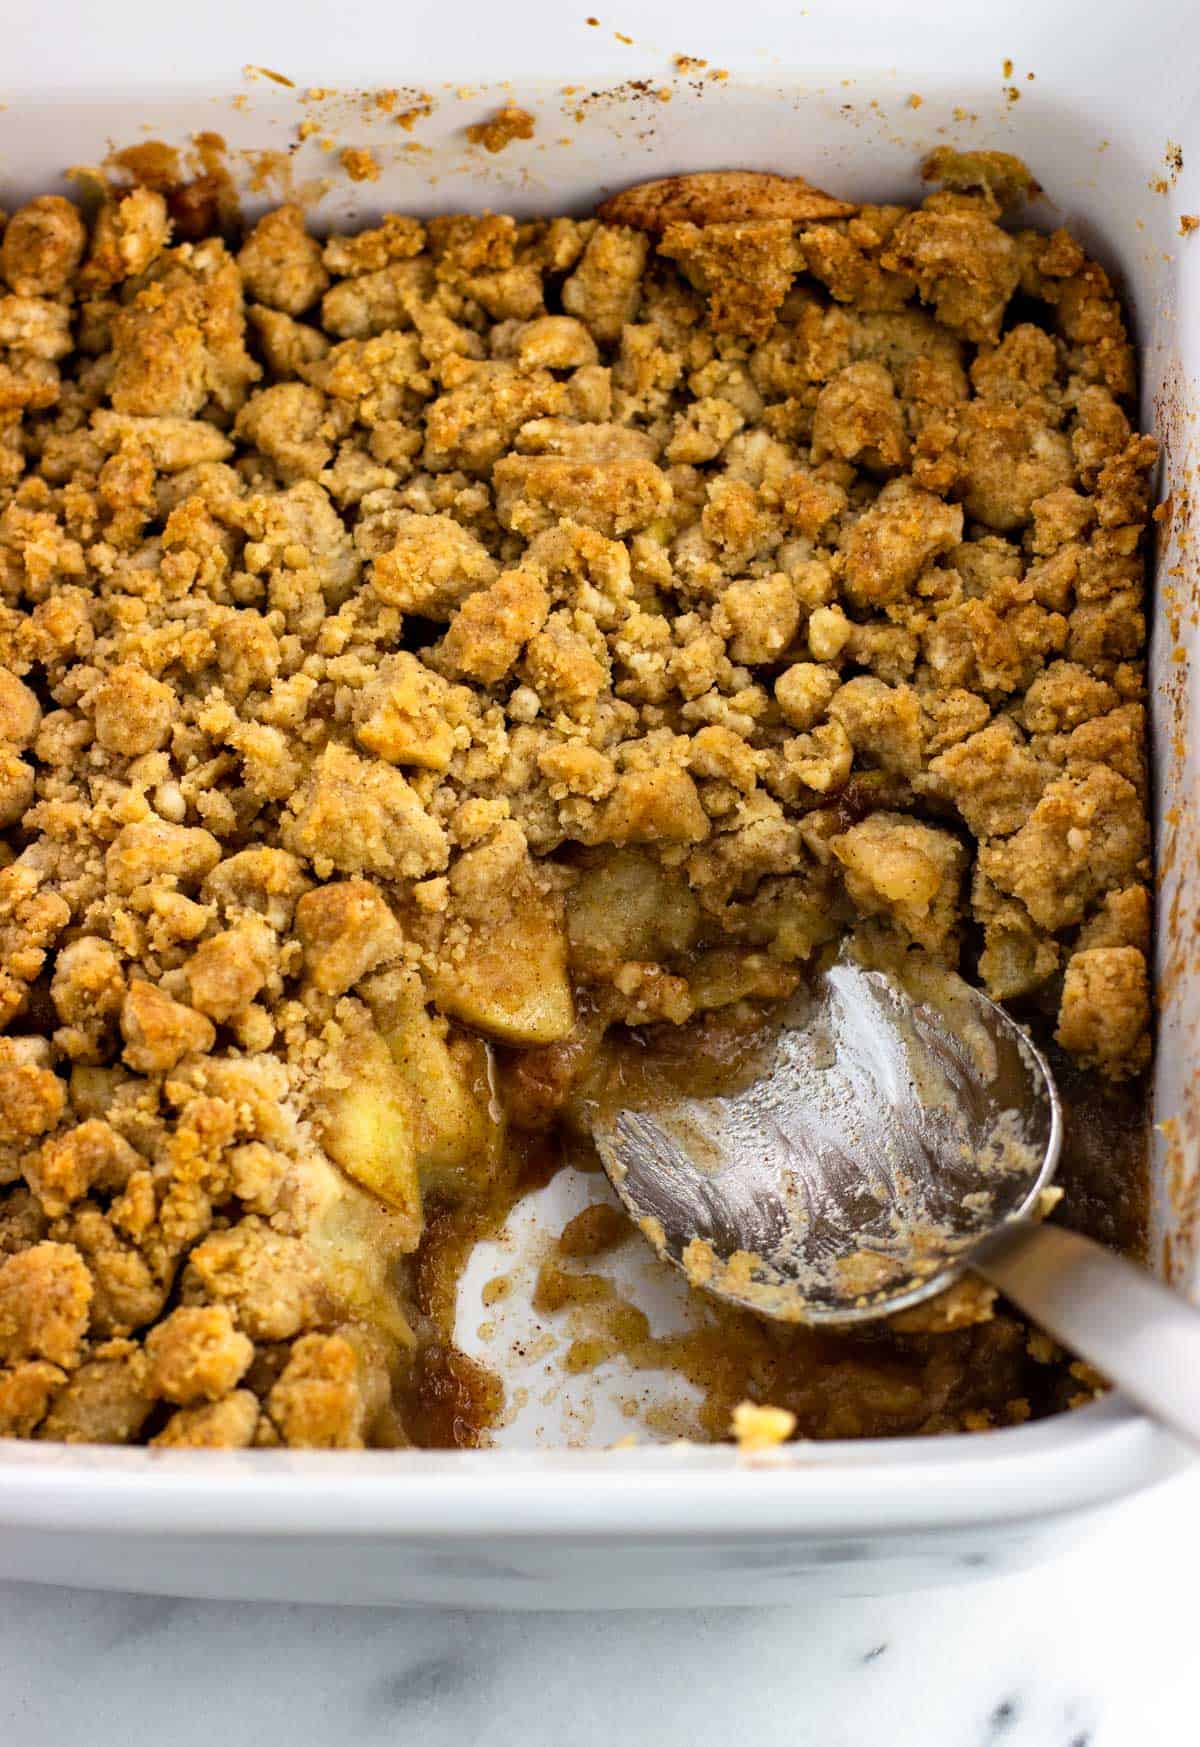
(896,1135)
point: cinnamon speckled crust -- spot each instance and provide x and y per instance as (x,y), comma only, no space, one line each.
(488,629)
(500,130)
(720,197)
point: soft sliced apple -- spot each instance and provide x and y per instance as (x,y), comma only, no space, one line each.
(456,1126)
(368,1128)
(511,981)
(627,906)
(357,1241)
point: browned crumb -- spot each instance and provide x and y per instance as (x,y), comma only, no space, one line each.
(1005,178)
(359,163)
(761,1428)
(508,124)
(720,197)
(1188,222)
(275,78)
(408,118)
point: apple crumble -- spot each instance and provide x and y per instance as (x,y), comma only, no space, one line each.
(430,654)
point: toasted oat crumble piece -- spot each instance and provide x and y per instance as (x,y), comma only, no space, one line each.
(280,263)
(323,1397)
(482,628)
(197,1355)
(41,246)
(228,1424)
(508,124)
(761,1428)
(1104,1019)
(26,1391)
(107,1400)
(720,197)
(268,1280)
(45,1296)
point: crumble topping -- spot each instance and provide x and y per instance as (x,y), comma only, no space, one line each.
(491,630)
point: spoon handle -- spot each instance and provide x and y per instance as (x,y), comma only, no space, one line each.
(1141,1335)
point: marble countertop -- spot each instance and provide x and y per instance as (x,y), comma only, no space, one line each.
(1095,1650)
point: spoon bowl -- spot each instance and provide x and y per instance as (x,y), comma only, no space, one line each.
(893,1124)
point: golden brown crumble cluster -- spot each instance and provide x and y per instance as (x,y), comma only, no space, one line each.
(479,630)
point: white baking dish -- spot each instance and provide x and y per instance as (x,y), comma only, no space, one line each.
(1096,98)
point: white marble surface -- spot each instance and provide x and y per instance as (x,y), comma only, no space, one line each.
(1096,1650)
